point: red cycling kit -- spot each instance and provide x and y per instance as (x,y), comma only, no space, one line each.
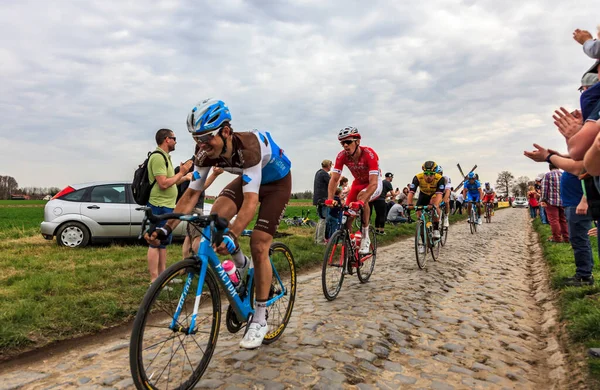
(367,164)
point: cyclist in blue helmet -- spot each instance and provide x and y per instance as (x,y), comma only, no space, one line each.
(264,177)
(472,193)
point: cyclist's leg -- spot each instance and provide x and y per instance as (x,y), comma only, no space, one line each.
(435,201)
(273,199)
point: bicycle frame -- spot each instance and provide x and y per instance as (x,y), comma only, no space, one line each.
(207,257)
(431,214)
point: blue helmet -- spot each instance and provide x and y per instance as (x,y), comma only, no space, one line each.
(208,116)
(439,170)
(471,175)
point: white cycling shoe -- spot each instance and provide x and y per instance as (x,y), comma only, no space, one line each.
(436,234)
(421,249)
(479,221)
(446,221)
(255,336)
(365,245)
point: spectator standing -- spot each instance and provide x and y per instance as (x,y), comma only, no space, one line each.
(379,204)
(452,200)
(538,189)
(319,196)
(164,193)
(460,199)
(552,202)
(334,215)
(533,200)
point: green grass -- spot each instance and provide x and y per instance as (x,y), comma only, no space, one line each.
(18,222)
(579,306)
(22,202)
(50,293)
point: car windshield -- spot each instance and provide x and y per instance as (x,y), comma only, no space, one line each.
(521,199)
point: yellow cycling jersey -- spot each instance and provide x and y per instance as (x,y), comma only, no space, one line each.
(437,185)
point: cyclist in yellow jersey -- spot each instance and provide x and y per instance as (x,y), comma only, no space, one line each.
(432,186)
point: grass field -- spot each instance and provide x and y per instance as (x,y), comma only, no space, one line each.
(20,218)
(50,293)
(579,306)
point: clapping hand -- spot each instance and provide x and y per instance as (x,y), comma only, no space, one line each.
(538,155)
(567,123)
(582,36)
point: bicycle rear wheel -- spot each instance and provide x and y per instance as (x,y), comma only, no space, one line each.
(367,262)
(420,244)
(166,356)
(334,264)
(283,291)
(488,214)
(434,246)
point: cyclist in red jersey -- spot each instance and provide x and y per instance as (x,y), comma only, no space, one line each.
(363,163)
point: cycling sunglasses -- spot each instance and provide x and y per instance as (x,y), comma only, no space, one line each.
(204,138)
(347,142)
(428,173)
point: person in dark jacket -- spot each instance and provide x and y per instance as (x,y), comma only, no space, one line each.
(319,196)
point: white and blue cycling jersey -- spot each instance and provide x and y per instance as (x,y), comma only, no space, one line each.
(256,157)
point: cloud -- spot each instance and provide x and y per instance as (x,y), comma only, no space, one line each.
(87,84)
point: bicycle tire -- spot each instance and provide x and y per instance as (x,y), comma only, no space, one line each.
(434,248)
(280,311)
(475,219)
(365,268)
(334,263)
(488,214)
(420,239)
(151,320)
(443,229)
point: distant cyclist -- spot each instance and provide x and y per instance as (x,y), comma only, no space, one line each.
(432,186)
(488,194)
(473,193)
(363,163)
(446,195)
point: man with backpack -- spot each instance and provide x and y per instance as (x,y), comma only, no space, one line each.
(163,195)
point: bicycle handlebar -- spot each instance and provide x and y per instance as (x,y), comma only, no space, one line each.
(220,224)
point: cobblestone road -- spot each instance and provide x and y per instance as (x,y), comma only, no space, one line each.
(477,318)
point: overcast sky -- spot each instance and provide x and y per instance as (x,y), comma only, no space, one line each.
(86,84)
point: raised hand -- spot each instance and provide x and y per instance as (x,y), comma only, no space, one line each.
(567,124)
(582,36)
(538,155)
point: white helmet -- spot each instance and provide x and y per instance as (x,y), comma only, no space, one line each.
(348,132)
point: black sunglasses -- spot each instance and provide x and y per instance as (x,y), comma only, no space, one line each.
(347,142)
(173,138)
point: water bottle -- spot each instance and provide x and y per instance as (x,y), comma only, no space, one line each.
(231,270)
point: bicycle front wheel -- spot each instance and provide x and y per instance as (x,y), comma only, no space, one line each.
(366,264)
(488,214)
(443,230)
(420,244)
(334,264)
(282,291)
(164,353)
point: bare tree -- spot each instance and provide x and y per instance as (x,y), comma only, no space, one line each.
(8,185)
(504,182)
(522,185)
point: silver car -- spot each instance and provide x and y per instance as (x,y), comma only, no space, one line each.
(520,202)
(92,212)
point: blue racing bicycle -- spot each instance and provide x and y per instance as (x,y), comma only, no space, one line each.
(177,325)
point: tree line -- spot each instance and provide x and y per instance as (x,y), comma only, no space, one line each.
(9,186)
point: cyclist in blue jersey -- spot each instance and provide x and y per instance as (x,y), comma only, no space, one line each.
(472,193)
(264,177)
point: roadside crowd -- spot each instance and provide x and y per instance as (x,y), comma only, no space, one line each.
(567,197)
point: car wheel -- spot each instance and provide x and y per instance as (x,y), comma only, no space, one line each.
(73,235)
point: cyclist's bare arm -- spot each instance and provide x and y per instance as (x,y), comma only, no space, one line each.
(245,214)
(185,206)
(371,188)
(333,182)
